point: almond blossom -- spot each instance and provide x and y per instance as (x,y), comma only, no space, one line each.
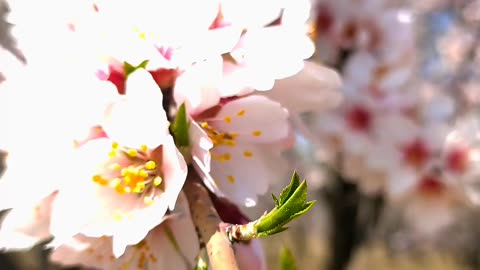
(89,121)
(126,180)
(136,179)
(172,244)
(237,129)
(259,55)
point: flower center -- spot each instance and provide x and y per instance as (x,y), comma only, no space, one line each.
(431,186)
(131,171)
(457,159)
(416,153)
(359,119)
(218,137)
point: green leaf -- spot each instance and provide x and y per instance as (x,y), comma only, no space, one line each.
(201,260)
(129,69)
(276,230)
(179,128)
(288,191)
(301,212)
(292,204)
(281,215)
(287,261)
(277,203)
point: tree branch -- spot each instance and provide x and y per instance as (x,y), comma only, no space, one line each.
(210,227)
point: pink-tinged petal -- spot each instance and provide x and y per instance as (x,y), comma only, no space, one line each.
(107,211)
(236,81)
(263,52)
(241,172)
(250,256)
(26,225)
(85,251)
(197,86)
(400,182)
(170,245)
(201,145)
(315,88)
(395,129)
(255,119)
(176,230)
(138,118)
(174,171)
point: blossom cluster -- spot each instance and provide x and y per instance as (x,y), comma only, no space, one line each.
(395,134)
(89,103)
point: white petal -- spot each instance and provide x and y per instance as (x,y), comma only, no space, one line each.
(259,14)
(174,172)
(26,225)
(197,86)
(201,145)
(106,212)
(254,118)
(138,118)
(85,251)
(315,88)
(244,175)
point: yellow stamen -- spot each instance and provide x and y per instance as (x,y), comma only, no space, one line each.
(227,119)
(96,178)
(248,154)
(120,190)
(117,216)
(114,145)
(257,133)
(132,152)
(115,167)
(157,181)
(142,173)
(139,188)
(148,200)
(231,179)
(115,182)
(241,113)
(150,165)
(144,148)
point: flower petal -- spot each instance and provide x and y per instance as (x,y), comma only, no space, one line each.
(197,86)
(315,88)
(26,225)
(106,212)
(254,119)
(171,245)
(241,172)
(138,118)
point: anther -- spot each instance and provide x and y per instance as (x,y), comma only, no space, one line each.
(150,165)
(132,152)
